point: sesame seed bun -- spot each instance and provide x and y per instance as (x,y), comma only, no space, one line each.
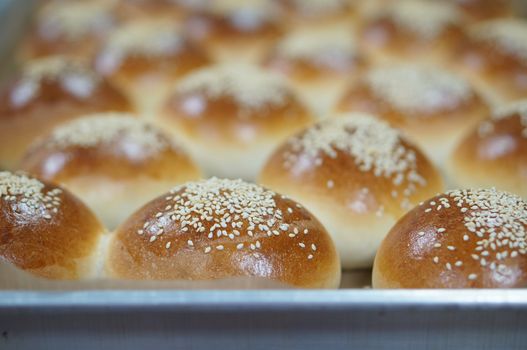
(494,55)
(494,153)
(216,229)
(460,239)
(357,175)
(148,55)
(412,29)
(45,230)
(318,13)
(320,62)
(478,10)
(114,162)
(231,116)
(45,93)
(435,108)
(72,28)
(235,30)
(174,10)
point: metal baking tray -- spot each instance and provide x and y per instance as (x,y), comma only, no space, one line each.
(266,319)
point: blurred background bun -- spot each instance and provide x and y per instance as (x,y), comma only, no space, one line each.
(114,162)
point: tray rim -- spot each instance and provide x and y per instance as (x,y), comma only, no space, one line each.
(514,299)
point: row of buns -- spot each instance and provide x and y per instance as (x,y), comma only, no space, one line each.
(339,189)
(230,117)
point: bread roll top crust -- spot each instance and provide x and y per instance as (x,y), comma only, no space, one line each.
(460,239)
(43,228)
(221,228)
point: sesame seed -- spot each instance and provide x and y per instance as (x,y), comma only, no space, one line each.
(313,247)
(421,233)
(140,232)
(168,245)
(208,250)
(448,266)
(441,230)
(459,263)
(310,256)
(302,245)
(437,245)
(472,276)
(452,248)
(219,247)
(436,259)
(190,243)
(153,238)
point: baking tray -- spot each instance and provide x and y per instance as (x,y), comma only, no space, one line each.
(266,319)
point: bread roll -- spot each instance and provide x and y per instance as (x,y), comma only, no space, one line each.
(418,30)
(145,59)
(45,230)
(114,162)
(494,55)
(236,30)
(72,28)
(494,153)
(357,175)
(433,107)
(46,93)
(318,13)
(460,239)
(320,62)
(216,229)
(478,10)
(174,10)
(231,116)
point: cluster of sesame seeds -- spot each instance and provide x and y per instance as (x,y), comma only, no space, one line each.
(242,11)
(495,220)
(419,89)
(148,38)
(321,46)
(105,128)
(221,210)
(428,19)
(375,146)
(320,7)
(25,194)
(74,19)
(507,111)
(509,35)
(73,76)
(253,88)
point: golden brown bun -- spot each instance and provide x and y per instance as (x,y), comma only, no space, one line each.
(239,30)
(433,107)
(318,13)
(485,9)
(174,10)
(46,93)
(145,59)
(231,116)
(72,28)
(494,153)
(114,162)
(357,175)
(413,29)
(320,62)
(494,55)
(216,229)
(461,239)
(45,230)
